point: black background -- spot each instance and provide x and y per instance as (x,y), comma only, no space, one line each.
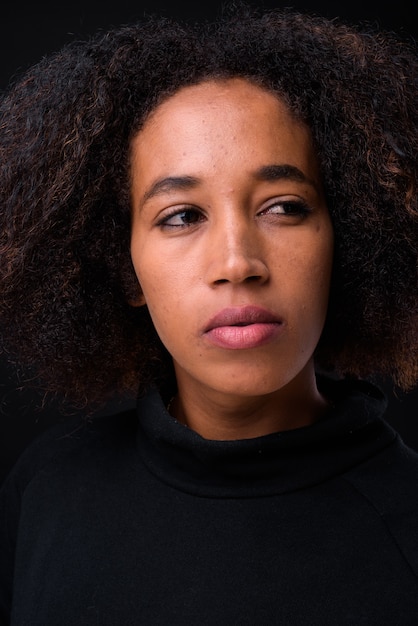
(30,31)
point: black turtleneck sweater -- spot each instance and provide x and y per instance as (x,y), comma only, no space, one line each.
(137,520)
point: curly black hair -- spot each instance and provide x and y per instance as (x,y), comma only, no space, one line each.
(65,130)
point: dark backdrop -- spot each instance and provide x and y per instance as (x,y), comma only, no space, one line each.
(30,31)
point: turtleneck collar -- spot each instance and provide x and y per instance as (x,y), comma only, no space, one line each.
(352,431)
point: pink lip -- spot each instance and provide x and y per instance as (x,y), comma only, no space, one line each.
(240,328)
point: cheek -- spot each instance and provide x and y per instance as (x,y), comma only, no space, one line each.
(320,248)
(146,271)
(161,294)
(326,257)
(309,275)
(319,273)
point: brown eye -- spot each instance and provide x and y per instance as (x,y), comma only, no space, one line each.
(287,207)
(182,219)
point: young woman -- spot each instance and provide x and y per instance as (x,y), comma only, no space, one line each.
(224,217)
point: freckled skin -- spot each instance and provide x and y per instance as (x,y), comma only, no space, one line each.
(224,240)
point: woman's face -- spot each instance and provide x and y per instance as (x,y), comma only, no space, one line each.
(231,239)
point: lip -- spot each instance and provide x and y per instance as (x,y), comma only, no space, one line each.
(240,328)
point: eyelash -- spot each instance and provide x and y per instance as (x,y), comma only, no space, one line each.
(293,208)
(296,208)
(163,223)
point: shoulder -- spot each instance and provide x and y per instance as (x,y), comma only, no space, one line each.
(51,474)
(60,464)
(389,483)
(390,476)
(71,444)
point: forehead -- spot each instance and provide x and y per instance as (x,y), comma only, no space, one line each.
(237,93)
(230,120)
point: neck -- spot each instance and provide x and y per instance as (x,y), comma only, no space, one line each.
(216,416)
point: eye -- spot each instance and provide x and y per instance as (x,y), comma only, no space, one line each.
(182,218)
(292,208)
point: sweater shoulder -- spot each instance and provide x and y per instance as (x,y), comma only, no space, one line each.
(60,443)
(389,477)
(56,463)
(389,482)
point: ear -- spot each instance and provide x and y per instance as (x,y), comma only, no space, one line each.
(131,287)
(138,300)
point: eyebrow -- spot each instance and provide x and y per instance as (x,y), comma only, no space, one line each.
(266,173)
(170,183)
(271,173)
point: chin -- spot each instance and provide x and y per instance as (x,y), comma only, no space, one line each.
(251,387)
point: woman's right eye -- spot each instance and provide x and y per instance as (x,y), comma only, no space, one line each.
(181,218)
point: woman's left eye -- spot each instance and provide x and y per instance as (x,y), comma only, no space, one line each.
(181,218)
(295,208)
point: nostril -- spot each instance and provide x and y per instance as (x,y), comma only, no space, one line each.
(237,268)
(248,279)
(253,278)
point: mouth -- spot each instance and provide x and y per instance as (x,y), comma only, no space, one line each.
(240,328)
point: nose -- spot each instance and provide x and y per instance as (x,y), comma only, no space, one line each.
(236,254)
